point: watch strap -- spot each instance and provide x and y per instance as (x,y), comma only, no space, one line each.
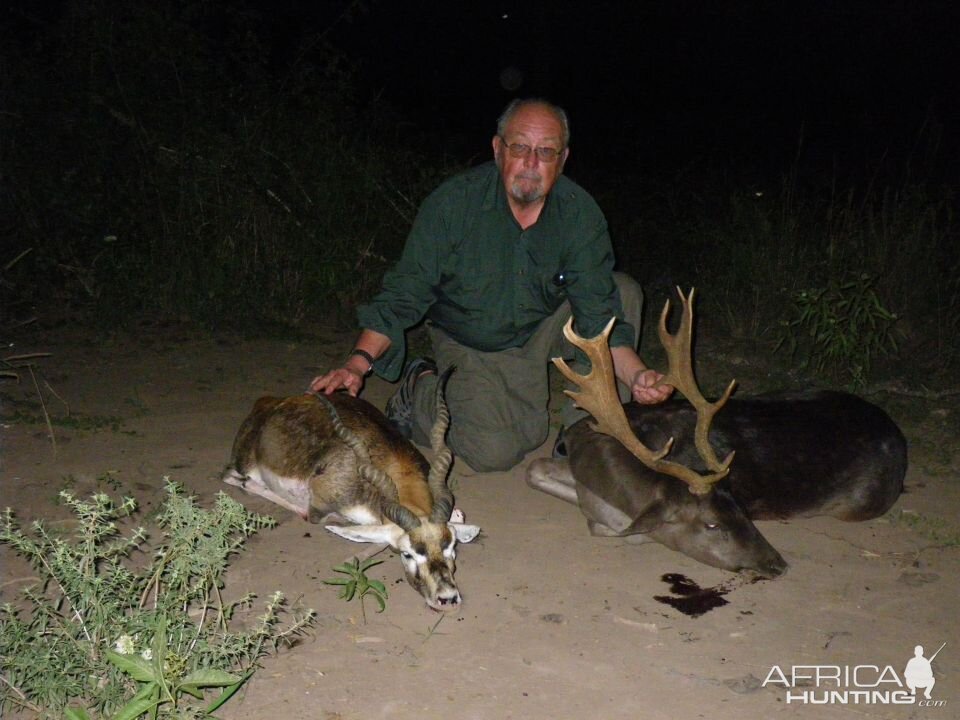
(366,356)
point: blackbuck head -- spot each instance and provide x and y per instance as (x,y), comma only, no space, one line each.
(426,541)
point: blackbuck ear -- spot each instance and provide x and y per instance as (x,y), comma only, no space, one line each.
(389,533)
(464,533)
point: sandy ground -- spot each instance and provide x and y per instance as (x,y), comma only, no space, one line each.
(556,623)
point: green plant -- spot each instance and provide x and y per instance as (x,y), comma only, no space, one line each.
(109,636)
(357,584)
(841,328)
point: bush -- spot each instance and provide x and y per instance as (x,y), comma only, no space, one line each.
(106,635)
(841,328)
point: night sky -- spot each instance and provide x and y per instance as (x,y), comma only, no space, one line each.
(668,82)
(657,84)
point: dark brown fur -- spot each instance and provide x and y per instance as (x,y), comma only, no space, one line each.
(797,455)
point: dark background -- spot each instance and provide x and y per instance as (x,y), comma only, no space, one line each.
(661,83)
(164,159)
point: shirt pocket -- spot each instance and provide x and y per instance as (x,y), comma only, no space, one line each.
(550,287)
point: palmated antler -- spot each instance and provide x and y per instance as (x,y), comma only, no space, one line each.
(598,396)
(679,349)
(442,457)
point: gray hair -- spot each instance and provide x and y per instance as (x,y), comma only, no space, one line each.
(515,105)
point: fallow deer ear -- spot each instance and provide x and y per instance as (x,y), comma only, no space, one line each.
(645,521)
(388,533)
(652,517)
(464,533)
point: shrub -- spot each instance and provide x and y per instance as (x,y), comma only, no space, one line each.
(107,635)
(841,329)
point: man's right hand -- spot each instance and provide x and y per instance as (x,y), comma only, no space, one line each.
(341,378)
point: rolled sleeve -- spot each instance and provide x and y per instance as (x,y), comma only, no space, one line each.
(408,288)
(594,297)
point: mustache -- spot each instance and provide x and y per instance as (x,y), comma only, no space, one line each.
(529,175)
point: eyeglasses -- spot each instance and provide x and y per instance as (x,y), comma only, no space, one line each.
(544,154)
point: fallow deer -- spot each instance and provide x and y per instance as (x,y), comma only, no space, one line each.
(797,455)
(323,456)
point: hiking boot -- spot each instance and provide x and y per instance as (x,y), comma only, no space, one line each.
(400,406)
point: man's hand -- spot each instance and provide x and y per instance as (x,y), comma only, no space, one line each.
(344,377)
(643,389)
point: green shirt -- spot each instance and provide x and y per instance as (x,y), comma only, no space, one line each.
(472,271)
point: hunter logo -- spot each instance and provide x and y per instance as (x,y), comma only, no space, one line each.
(859,684)
(919,673)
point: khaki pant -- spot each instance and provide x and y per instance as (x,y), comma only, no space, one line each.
(499,400)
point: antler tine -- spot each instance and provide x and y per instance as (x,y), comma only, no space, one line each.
(598,392)
(598,396)
(679,348)
(442,457)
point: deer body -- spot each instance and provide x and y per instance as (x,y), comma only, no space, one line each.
(654,473)
(338,455)
(289,446)
(797,455)
(812,453)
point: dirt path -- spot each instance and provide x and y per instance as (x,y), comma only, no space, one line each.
(556,624)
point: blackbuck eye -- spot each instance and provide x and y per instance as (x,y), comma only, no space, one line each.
(712,526)
(406,556)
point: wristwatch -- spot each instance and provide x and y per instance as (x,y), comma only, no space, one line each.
(366,356)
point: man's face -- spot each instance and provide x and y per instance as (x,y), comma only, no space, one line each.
(528,179)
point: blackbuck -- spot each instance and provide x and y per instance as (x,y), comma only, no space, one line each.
(325,456)
(654,473)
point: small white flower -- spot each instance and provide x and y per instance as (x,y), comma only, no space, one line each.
(147,654)
(124,645)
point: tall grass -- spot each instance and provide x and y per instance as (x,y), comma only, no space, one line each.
(758,251)
(175,163)
(171,167)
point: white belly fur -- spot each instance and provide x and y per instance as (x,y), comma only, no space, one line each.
(290,493)
(360,514)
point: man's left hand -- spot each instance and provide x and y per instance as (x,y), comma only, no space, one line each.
(645,389)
